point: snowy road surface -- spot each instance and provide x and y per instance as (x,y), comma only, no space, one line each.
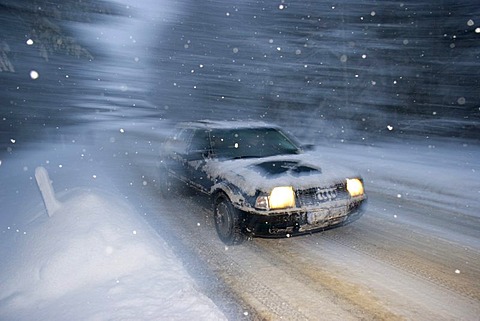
(414,255)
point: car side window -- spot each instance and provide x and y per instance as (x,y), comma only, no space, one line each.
(178,143)
(200,145)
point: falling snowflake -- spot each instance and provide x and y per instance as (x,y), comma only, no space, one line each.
(34,74)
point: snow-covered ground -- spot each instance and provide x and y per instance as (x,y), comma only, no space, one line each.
(442,173)
(95,258)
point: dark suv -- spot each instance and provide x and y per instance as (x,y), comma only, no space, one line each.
(259,179)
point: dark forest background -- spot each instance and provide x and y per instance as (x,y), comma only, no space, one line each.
(342,69)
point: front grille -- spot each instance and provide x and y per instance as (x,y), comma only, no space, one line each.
(318,195)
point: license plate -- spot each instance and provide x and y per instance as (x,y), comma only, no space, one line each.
(325,215)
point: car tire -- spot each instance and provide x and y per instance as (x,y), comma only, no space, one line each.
(227,221)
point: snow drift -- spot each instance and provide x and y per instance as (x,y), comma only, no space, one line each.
(95,259)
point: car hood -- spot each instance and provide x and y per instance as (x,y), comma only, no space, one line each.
(299,171)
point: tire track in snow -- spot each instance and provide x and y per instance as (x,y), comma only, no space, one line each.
(358,301)
(248,287)
(311,290)
(429,258)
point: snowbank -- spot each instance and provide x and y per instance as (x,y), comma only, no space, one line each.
(443,174)
(93,259)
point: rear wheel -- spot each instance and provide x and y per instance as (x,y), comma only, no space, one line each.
(227,221)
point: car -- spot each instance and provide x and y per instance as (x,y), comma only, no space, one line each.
(260,180)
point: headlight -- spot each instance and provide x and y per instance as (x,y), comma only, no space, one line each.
(280,197)
(354,187)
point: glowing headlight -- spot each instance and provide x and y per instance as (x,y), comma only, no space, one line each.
(281,197)
(354,187)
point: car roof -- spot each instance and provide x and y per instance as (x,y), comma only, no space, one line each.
(225,124)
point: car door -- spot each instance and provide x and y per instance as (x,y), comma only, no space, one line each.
(198,154)
(175,153)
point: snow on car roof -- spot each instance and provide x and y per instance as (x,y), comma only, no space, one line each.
(226,124)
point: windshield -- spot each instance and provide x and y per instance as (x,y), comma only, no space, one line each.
(251,142)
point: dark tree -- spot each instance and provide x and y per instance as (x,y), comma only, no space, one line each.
(43,23)
(38,38)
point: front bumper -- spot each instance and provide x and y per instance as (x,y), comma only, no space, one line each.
(302,221)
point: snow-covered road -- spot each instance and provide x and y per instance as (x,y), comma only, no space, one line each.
(414,255)
(115,245)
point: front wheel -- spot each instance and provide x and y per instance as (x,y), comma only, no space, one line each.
(227,221)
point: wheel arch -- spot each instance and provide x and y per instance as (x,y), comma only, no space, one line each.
(232,193)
